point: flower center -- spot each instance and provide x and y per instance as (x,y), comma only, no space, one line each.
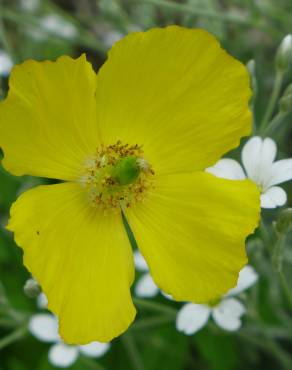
(117,176)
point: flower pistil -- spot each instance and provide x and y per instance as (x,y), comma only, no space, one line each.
(117,176)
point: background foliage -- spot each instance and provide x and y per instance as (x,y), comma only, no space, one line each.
(248,29)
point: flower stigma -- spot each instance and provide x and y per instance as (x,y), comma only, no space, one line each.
(117,176)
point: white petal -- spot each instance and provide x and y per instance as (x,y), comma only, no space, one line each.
(62,355)
(273,197)
(280,171)
(29,5)
(247,278)
(42,301)
(286,44)
(111,37)
(227,168)
(250,155)
(268,152)
(140,263)
(94,349)
(44,327)
(192,317)
(227,314)
(167,296)
(57,25)
(146,287)
(6,63)
(257,158)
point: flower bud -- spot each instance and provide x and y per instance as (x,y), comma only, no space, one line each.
(284,222)
(251,67)
(285,102)
(284,54)
(31,288)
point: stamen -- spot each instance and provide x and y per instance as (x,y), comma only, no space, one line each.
(143,164)
(117,176)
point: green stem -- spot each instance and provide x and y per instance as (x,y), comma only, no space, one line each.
(286,288)
(277,256)
(265,235)
(272,102)
(154,306)
(275,123)
(132,350)
(200,12)
(13,337)
(152,322)
(254,86)
(277,263)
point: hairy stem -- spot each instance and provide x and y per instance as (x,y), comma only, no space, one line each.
(272,102)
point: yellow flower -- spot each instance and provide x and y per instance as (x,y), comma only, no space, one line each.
(137,137)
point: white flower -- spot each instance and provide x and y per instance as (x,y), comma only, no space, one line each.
(111,37)
(226,312)
(59,26)
(258,158)
(284,54)
(30,5)
(44,327)
(287,43)
(42,301)
(6,64)
(145,286)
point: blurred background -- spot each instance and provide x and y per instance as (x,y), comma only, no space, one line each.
(247,29)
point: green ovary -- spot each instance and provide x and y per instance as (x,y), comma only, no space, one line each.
(118,177)
(126,171)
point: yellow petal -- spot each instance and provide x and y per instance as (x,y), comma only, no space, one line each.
(48,122)
(192,229)
(177,93)
(81,258)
